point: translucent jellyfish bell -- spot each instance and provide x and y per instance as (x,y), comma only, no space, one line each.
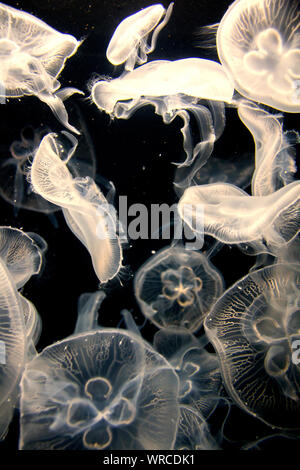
(232,216)
(22,253)
(253,327)
(258,43)
(174,88)
(129,42)
(88,214)
(177,287)
(104,389)
(198,370)
(32,55)
(14,185)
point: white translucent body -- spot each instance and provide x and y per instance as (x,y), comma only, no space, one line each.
(104,389)
(232,216)
(200,78)
(177,287)
(274,156)
(129,41)
(253,327)
(85,208)
(13,340)
(258,43)
(32,55)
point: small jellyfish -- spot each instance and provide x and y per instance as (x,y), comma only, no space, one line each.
(103,389)
(88,214)
(174,88)
(129,42)
(274,154)
(177,287)
(253,327)
(14,185)
(32,55)
(231,216)
(258,42)
(22,253)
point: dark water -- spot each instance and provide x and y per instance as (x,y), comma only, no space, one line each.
(135,154)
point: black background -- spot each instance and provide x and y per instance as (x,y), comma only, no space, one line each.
(128,153)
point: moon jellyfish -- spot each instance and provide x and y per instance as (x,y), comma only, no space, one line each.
(274,155)
(253,327)
(177,287)
(129,42)
(88,214)
(258,42)
(32,55)
(197,369)
(22,253)
(174,88)
(103,389)
(14,185)
(231,216)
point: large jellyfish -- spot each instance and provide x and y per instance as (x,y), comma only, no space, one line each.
(253,327)
(258,43)
(88,214)
(129,42)
(265,223)
(20,324)
(32,55)
(177,287)
(174,88)
(99,389)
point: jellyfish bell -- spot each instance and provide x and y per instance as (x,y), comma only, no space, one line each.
(129,42)
(103,389)
(231,216)
(88,214)
(253,327)
(22,253)
(177,287)
(32,55)
(258,43)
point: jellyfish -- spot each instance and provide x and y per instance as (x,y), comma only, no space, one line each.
(174,88)
(177,288)
(22,253)
(88,214)
(197,369)
(129,42)
(274,154)
(258,43)
(20,325)
(265,223)
(32,55)
(101,389)
(253,327)
(14,185)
